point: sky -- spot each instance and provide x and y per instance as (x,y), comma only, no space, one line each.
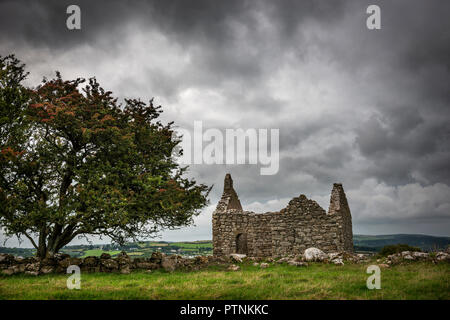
(367,108)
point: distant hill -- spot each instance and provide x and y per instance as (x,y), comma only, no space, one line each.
(375,243)
(362,243)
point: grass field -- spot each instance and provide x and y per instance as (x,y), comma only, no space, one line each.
(318,281)
(192,245)
(98,252)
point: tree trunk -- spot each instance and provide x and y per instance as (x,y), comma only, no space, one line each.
(50,244)
(42,246)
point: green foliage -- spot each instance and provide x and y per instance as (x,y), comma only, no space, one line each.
(13,102)
(396,248)
(75,162)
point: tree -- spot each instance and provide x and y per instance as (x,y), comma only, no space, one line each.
(13,101)
(75,162)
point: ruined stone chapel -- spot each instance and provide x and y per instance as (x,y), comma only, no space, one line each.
(301,225)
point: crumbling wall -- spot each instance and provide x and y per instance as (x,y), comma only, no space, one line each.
(256,227)
(302,224)
(339,206)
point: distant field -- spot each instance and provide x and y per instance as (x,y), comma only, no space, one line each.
(318,281)
(193,244)
(153,244)
(98,252)
(136,253)
(362,243)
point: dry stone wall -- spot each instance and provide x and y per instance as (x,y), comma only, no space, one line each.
(122,263)
(302,224)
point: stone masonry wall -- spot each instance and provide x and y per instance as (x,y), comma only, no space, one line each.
(302,224)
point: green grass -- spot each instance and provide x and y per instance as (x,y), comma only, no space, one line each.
(155,244)
(190,249)
(98,252)
(191,245)
(318,281)
(135,253)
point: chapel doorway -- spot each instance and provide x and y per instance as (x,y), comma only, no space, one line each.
(241,243)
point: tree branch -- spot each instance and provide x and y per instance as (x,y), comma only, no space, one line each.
(32,241)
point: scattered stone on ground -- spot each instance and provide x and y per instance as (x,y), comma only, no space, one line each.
(338,261)
(234,267)
(314,254)
(122,263)
(235,257)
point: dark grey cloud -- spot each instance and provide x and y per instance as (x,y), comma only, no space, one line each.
(366,108)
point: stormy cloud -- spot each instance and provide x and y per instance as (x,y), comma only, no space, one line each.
(368,108)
